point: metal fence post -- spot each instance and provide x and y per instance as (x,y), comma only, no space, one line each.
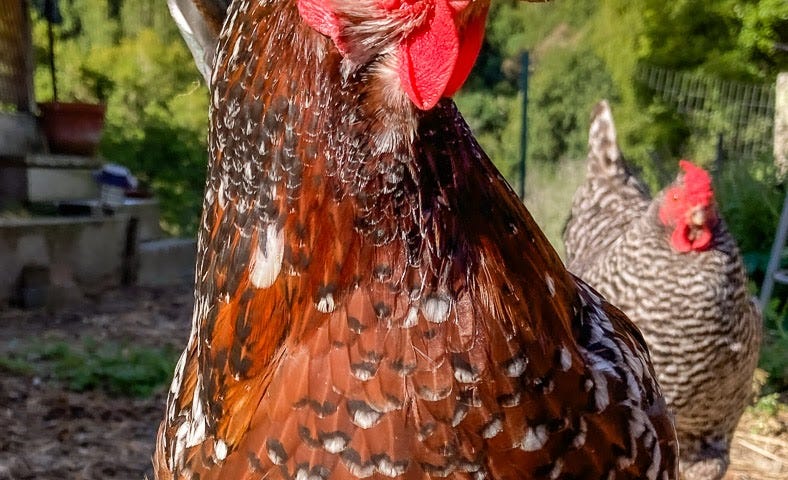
(524,125)
(781,160)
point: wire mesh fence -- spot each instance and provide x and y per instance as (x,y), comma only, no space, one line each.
(740,114)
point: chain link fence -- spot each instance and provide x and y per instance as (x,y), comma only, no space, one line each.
(739,115)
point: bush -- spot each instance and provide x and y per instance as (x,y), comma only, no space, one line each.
(750,199)
(775,345)
(565,87)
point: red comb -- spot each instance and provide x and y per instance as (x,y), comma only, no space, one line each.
(697,183)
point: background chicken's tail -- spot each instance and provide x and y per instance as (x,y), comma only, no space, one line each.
(604,155)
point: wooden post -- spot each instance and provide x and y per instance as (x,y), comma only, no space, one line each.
(30,59)
(781,125)
(16,56)
(781,161)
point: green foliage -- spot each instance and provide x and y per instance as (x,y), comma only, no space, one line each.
(491,103)
(774,359)
(565,88)
(156,124)
(768,405)
(110,367)
(116,369)
(727,39)
(16,366)
(495,119)
(764,34)
(550,188)
(750,198)
(130,55)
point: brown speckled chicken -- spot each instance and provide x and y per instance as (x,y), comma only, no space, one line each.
(671,265)
(372,299)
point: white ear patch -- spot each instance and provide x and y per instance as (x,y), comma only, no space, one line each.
(267,259)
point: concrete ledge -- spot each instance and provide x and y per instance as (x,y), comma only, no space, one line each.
(43,184)
(47,184)
(43,177)
(81,254)
(168,261)
(144,210)
(51,160)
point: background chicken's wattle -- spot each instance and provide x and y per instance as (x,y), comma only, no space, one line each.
(372,299)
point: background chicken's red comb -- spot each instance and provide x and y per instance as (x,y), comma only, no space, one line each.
(697,183)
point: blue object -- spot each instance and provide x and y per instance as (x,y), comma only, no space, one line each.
(115,176)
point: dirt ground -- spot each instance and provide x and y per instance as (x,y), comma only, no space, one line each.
(48,432)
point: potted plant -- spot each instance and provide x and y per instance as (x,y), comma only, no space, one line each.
(72,128)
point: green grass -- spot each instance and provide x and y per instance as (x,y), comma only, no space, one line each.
(123,370)
(768,405)
(549,190)
(16,366)
(764,417)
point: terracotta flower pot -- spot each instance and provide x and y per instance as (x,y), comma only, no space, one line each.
(72,128)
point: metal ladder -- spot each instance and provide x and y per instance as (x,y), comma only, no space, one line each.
(773,272)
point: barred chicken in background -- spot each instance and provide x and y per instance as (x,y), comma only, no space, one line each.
(672,266)
(372,299)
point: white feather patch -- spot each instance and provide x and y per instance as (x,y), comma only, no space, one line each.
(566,359)
(534,438)
(197,420)
(436,308)
(267,260)
(412,318)
(389,468)
(493,428)
(335,443)
(550,284)
(220,449)
(326,303)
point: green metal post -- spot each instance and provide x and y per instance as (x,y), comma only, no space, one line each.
(524,124)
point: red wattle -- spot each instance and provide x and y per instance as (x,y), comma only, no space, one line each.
(703,241)
(428,57)
(680,240)
(469,49)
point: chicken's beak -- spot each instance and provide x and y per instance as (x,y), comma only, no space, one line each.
(698,216)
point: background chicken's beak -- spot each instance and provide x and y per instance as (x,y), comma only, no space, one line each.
(698,216)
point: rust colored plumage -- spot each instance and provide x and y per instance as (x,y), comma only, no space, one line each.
(372,299)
